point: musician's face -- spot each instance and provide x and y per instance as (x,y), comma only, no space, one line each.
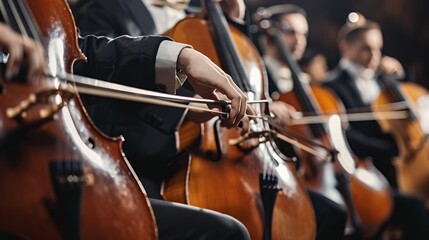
(295,30)
(366,49)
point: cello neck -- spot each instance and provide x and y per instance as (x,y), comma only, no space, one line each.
(300,88)
(227,50)
(398,95)
(19,18)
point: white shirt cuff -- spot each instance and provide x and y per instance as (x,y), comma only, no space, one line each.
(166,77)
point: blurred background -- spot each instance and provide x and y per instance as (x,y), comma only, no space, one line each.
(405,26)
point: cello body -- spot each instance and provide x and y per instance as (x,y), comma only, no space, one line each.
(366,193)
(317,174)
(336,176)
(412,163)
(226,177)
(61,178)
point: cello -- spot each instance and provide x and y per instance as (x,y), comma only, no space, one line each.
(344,181)
(61,178)
(244,177)
(411,134)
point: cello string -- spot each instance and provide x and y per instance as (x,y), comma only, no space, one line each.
(15,15)
(22,16)
(4,13)
(35,33)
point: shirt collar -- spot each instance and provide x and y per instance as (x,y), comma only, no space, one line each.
(357,70)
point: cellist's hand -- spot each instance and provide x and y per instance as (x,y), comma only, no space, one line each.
(391,66)
(196,115)
(22,50)
(282,111)
(206,78)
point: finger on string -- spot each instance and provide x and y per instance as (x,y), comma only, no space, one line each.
(250,112)
(14,61)
(243,102)
(242,105)
(244,125)
(235,110)
(236,100)
(242,110)
(223,112)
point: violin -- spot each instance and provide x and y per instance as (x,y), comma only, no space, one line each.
(410,134)
(61,178)
(339,176)
(243,176)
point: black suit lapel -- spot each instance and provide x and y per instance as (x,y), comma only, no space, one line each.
(140,14)
(345,87)
(353,89)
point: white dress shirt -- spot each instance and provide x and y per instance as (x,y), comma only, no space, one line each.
(168,52)
(166,66)
(164,17)
(281,74)
(365,80)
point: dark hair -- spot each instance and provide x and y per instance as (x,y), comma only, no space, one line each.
(351,31)
(277,11)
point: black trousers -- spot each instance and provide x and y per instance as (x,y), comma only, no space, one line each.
(330,217)
(409,216)
(179,221)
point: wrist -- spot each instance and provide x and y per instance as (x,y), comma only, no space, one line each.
(184,59)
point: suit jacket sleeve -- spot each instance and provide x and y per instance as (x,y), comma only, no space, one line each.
(124,60)
(364,145)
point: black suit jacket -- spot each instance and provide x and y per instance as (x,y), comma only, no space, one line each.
(113,17)
(148,130)
(366,138)
(150,142)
